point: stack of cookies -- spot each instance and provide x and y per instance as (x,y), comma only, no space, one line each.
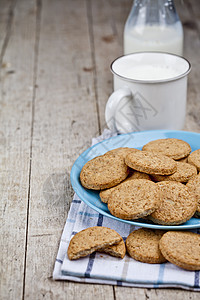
(159,182)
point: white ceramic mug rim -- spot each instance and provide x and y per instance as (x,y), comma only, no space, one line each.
(151,81)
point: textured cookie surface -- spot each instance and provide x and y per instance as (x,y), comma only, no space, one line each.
(123,151)
(181,248)
(91,239)
(177,204)
(138,175)
(142,245)
(151,163)
(193,186)
(171,147)
(183,173)
(134,199)
(103,172)
(118,250)
(194,159)
(105,194)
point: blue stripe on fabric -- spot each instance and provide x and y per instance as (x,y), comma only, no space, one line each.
(71,220)
(160,275)
(74,232)
(100,220)
(59,261)
(196,279)
(124,238)
(88,214)
(90,265)
(76,201)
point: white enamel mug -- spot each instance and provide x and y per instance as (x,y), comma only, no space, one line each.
(150,92)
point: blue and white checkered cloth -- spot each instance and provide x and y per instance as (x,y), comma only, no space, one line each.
(104,269)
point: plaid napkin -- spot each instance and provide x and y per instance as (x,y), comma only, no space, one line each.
(104,269)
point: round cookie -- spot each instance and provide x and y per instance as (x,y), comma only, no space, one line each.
(143,245)
(177,204)
(123,151)
(181,248)
(91,239)
(134,199)
(193,186)
(103,172)
(151,163)
(105,194)
(194,159)
(171,147)
(183,173)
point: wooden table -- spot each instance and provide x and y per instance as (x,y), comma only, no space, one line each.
(54,83)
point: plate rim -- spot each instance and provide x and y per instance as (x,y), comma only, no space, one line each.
(135,223)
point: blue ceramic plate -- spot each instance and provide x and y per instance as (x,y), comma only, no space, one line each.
(134,140)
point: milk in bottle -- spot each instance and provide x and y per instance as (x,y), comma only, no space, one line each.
(153,25)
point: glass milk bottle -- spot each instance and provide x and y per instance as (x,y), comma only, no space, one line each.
(153,25)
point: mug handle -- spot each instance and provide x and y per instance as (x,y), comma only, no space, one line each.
(112,104)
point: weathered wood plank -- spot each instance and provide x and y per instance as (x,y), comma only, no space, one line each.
(15,127)
(108,20)
(65,120)
(6,17)
(122,293)
(195,10)
(162,294)
(191,51)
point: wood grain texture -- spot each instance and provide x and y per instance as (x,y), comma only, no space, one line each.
(65,119)
(162,294)
(6,20)
(15,127)
(107,20)
(191,52)
(122,293)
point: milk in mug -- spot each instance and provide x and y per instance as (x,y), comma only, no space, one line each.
(150,92)
(149,72)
